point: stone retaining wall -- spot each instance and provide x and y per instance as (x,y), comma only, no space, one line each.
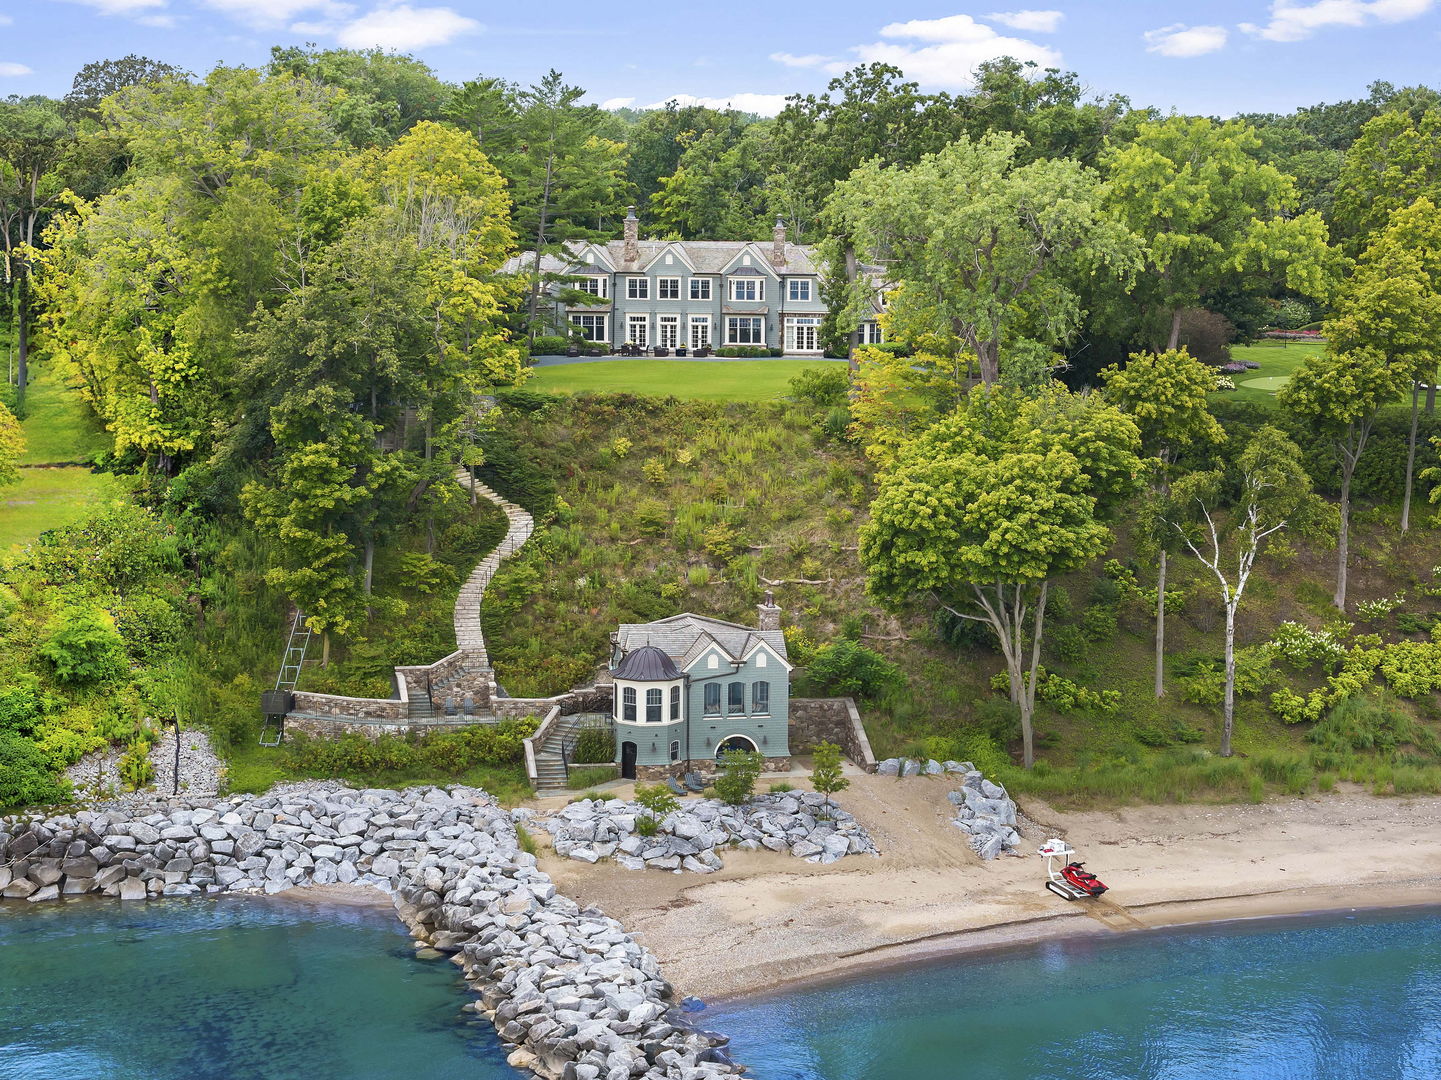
(573,994)
(835,720)
(351,710)
(586,699)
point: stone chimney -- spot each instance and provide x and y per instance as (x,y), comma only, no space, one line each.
(778,245)
(632,236)
(770,613)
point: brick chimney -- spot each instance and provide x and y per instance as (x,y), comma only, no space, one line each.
(778,245)
(770,613)
(632,236)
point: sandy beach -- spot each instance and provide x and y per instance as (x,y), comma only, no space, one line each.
(767,919)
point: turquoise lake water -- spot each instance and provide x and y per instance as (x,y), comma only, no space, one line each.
(234,989)
(252,990)
(1340,998)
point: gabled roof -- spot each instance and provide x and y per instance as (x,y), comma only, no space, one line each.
(675,248)
(702,256)
(686,637)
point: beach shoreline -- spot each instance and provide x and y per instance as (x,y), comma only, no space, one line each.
(767,922)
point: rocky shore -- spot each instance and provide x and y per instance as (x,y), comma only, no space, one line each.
(692,837)
(575,995)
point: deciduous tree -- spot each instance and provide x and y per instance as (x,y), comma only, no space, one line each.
(985,509)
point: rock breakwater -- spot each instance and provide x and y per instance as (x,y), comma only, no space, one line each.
(577,997)
(693,837)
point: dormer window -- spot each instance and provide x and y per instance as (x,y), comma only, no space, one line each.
(800,289)
(748,288)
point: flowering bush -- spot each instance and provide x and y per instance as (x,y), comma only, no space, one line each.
(1064,695)
(1300,646)
(1371,610)
(1225,382)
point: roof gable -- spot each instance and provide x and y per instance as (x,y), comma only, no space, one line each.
(759,261)
(675,248)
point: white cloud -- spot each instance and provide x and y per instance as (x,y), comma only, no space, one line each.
(762,104)
(956,46)
(1181,40)
(120,7)
(791,60)
(8,69)
(162,22)
(1031,22)
(617,102)
(273,13)
(5,20)
(1295,21)
(404,27)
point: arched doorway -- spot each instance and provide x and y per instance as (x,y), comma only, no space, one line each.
(736,742)
(627,761)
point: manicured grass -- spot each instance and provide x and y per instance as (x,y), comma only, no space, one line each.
(49,498)
(58,427)
(727,380)
(1278,361)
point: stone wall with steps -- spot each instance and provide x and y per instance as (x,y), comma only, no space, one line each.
(424,691)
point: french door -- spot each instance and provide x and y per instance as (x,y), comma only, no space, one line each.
(803,335)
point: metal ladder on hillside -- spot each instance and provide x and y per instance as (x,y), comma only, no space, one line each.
(273,728)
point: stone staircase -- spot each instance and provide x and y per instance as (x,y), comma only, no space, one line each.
(550,767)
(468,636)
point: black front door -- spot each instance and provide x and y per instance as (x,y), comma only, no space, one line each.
(627,761)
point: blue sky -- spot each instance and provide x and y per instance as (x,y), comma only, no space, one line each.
(1218,57)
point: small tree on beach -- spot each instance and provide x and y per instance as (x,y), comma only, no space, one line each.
(658,801)
(826,775)
(740,771)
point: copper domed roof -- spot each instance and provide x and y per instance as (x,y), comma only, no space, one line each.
(647,664)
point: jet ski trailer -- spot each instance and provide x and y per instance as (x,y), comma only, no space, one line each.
(1072,881)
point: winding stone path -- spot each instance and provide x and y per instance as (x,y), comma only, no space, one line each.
(468,636)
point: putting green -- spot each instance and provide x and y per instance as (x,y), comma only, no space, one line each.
(1270,383)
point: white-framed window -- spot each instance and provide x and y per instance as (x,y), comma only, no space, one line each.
(667,331)
(871,333)
(735,698)
(637,330)
(596,286)
(761,658)
(699,331)
(675,750)
(803,335)
(745,330)
(675,702)
(748,288)
(637,288)
(628,704)
(591,327)
(667,288)
(760,697)
(712,661)
(800,289)
(700,288)
(712,698)
(653,705)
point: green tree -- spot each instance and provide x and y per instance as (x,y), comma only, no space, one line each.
(1210,214)
(985,238)
(1395,161)
(99,79)
(713,194)
(826,775)
(658,801)
(35,136)
(385,93)
(1274,494)
(1341,393)
(984,510)
(739,771)
(84,647)
(1165,394)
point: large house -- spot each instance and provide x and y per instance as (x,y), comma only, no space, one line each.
(689,687)
(692,294)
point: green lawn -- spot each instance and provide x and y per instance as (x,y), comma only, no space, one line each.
(48,498)
(1277,359)
(58,426)
(726,380)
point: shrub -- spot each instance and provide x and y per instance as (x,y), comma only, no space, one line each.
(1098,622)
(826,775)
(150,625)
(594,744)
(738,780)
(849,669)
(548,345)
(84,647)
(423,572)
(25,779)
(823,387)
(22,704)
(654,470)
(780,787)
(135,768)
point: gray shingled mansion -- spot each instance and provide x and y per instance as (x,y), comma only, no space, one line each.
(692,294)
